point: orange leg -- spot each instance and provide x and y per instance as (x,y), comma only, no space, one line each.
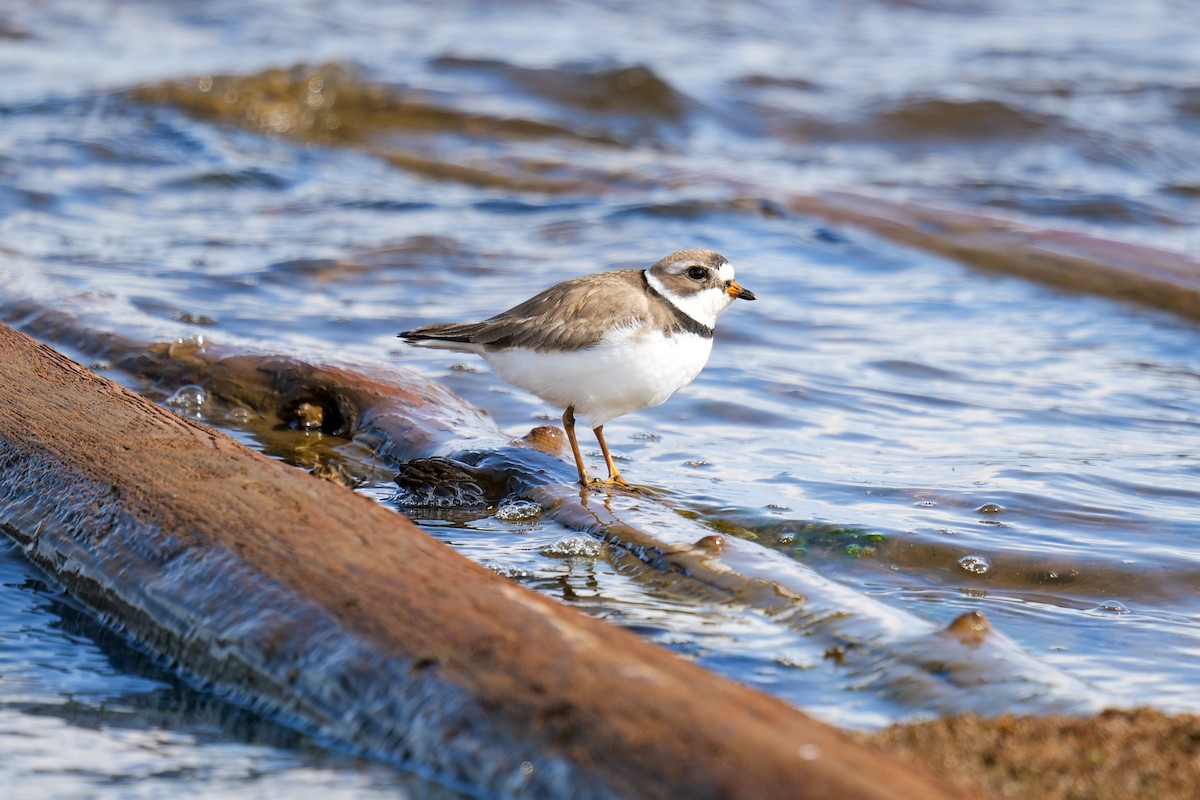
(614,476)
(568,419)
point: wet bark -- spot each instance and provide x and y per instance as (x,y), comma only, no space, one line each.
(1063,259)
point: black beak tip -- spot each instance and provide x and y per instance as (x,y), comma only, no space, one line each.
(746,294)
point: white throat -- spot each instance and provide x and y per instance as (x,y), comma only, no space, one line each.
(703,306)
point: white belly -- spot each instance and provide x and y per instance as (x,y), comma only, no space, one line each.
(632,370)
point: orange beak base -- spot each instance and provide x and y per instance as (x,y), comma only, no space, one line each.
(735,291)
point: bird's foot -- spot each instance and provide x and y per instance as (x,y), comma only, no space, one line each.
(613,482)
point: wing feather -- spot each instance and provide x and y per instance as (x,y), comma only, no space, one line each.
(573,315)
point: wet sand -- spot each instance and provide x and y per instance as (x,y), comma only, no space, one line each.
(1117,755)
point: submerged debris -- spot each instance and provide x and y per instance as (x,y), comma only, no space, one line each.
(971,627)
(443,483)
(409,128)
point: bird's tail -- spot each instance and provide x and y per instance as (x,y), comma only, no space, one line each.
(449,336)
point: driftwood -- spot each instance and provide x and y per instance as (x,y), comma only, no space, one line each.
(1064,259)
(315,601)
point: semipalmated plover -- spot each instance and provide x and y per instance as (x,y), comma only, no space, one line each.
(604,345)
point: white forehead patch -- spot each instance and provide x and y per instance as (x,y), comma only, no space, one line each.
(703,306)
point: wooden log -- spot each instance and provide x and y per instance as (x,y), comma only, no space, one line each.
(306,598)
(1063,259)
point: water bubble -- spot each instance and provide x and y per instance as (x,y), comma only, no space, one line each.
(796,661)
(976,565)
(990,508)
(1113,607)
(507,570)
(518,511)
(433,495)
(572,546)
(438,483)
(810,752)
(188,400)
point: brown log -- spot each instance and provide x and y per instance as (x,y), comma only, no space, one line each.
(306,598)
(1064,259)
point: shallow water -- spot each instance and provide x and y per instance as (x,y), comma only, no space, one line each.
(940,438)
(86,715)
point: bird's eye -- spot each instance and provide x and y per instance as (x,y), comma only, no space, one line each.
(697,273)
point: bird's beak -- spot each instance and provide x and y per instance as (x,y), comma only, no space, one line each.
(735,291)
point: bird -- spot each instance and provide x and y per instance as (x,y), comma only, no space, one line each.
(605,344)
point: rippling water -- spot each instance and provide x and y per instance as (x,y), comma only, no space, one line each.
(943,439)
(85,715)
